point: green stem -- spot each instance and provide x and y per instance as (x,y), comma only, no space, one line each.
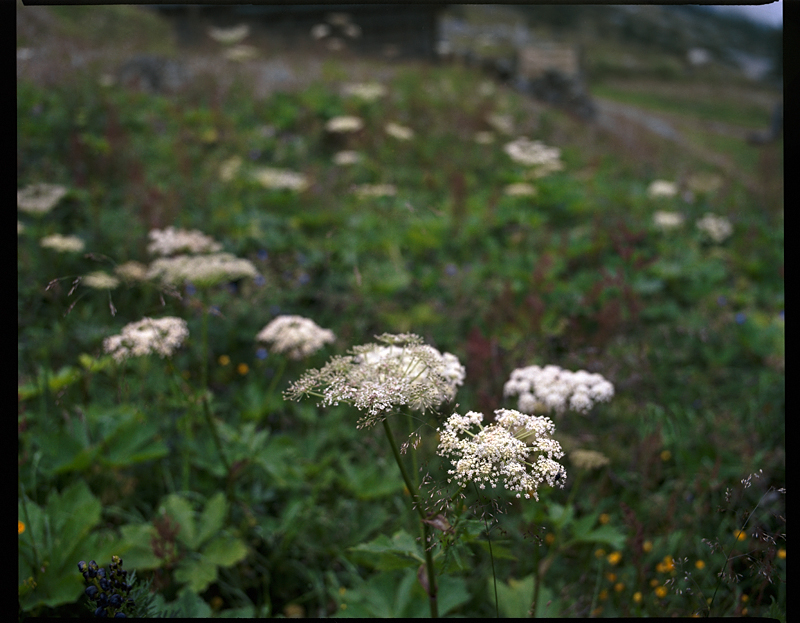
(491,558)
(415,502)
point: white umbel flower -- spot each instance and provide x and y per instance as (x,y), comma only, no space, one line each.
(281,179)
(62,244)
(398,371)
(296,336)
(170,241)
(662,188)
(201,270)
(367,91)
(531,153)
(398,131)
(340,125)
(229,36)
(667,220)
(502,451)
(162,336)
(718,228)
(541,390)
(40,198)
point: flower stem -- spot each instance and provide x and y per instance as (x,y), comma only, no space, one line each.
(415,502)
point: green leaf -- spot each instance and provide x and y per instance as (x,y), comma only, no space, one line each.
(515,597)
(197,574)
(133,442)
(212,517)
(224,551)
(386,553)
(180,510)
(136,549)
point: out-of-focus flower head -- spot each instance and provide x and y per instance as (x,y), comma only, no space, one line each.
(551,388)
(229,36)
(667,220)
(718,228)
(367,91)
(375,190)
(662,188)
(398,131)
(201,270)
(281,179)
(532,153)
(40,198)
(347,123)
(162,336)
(171,240)
(63,244)
(296,336)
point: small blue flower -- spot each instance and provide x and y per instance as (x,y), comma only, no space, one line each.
(259,280)
(721,301)
(262,255)
(781,315)
(303,279)
(740,317)
(261,353)
(254,154)
(451,269)
(301,258)
(190,289)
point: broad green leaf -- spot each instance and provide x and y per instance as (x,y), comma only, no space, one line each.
(224,551)
(136,547)
(197,574)
(133,442)
(212,518)
(515,597)
(180,510)
(386,553)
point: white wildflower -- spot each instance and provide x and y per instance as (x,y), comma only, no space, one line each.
(501,123)
(229,36)
(367,91)
(398,371)
(40,198)
(162,336)
(320,31)
(541,390)
(717,227)
(281,178)
(100,280)
(170,241)
(398,131)
(63,244)
(348,123)
(667,220)
(296,336)
(521,189)
(132,271)
(503,451)
(344,158)
(531,153)
(662,188)
(201,270)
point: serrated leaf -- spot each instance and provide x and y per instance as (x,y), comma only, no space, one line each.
(224,551)
(133,442)
(212,518)
(196,574)
(399,552)
(136,548)
(180,510)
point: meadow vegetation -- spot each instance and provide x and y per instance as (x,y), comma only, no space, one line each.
(186,461)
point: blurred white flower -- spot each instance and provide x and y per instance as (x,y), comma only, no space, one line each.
(170,241)
(502,451)
(662,188)
(296,336)
(201,270)
(100,280)
(320,31)
(531,153)
(501,123)
(229,36)
(132,271)
(63,244)
(344,124)
(281,179)
(667,220)
(367,91)
(521,189)
(40,198)
(551,388)
(162,336)
(588,459)
(398,131)
(343,158)
(718,228)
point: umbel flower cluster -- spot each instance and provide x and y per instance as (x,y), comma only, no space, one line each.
(400,370)
(148,335)
(502,451)
(170,241)
(551,388)
(295,336)
(201,270)
(109,590)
